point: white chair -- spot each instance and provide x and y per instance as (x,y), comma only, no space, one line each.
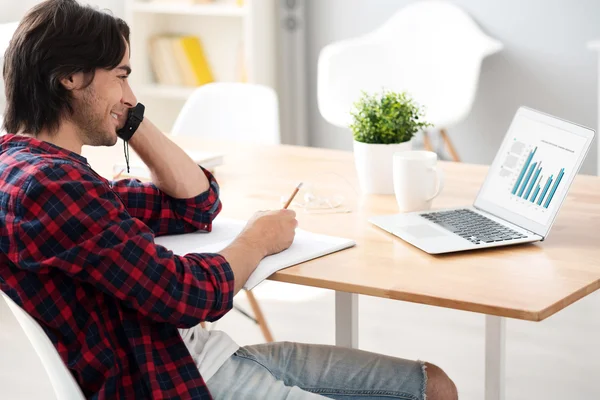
(431,49)
(31,367)
(242,112)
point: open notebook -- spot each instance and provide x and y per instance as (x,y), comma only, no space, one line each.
(137,169)
(306,246)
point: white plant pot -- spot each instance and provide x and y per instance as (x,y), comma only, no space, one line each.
(374,166)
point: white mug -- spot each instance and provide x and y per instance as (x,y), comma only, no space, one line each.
(417,180)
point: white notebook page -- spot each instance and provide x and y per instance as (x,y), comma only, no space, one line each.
(306,246)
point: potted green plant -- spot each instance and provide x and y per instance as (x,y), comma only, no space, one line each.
(382,124)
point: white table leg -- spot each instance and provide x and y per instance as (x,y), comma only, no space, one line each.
(346,319)
(495,346)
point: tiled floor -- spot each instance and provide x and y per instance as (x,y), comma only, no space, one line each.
(555,359)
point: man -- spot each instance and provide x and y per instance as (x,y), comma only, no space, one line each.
(78,251)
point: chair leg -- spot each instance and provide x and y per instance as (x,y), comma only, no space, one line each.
(260,318)
(426,141)
(449,145)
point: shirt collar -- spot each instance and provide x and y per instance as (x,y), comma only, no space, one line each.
(15,141)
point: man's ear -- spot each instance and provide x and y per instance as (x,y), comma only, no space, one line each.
(73,82)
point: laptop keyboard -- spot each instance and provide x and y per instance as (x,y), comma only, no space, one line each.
(472,226)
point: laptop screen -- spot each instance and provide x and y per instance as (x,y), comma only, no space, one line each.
(533,169)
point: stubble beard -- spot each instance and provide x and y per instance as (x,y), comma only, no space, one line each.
(91,122)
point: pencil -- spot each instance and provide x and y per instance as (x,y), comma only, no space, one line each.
(287,204)
(119,174)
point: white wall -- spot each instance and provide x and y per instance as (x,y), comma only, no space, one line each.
(116,6)
(545,65)
(11,10)
(14,10)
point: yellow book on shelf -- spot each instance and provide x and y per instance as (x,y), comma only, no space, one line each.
(241,69)
(195,53)
(185,66)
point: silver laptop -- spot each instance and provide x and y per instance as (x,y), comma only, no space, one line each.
(520,197)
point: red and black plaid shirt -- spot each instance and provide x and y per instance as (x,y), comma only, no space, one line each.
(78,254)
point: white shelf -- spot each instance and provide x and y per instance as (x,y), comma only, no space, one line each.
(165,91)
(235,39)
(218,10)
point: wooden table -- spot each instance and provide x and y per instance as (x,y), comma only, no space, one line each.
(529,282)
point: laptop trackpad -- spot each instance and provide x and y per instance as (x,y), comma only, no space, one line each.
(423,231)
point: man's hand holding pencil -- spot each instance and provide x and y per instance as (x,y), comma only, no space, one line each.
(272,231)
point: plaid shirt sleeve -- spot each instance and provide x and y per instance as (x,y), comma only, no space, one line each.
(166,215)
(71,220)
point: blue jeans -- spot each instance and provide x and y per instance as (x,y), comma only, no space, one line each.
(293,371)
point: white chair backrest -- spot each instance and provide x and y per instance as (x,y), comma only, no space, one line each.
(430,49)
(231,111)
(30,363)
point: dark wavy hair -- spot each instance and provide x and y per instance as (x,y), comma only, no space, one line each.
(57,38)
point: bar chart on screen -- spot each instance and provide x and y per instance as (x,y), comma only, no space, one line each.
(533,170)
(532,185)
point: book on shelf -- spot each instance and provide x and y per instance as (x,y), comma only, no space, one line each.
(241,68)
(197,59)
(188,74)
(179,61)
(163,62)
